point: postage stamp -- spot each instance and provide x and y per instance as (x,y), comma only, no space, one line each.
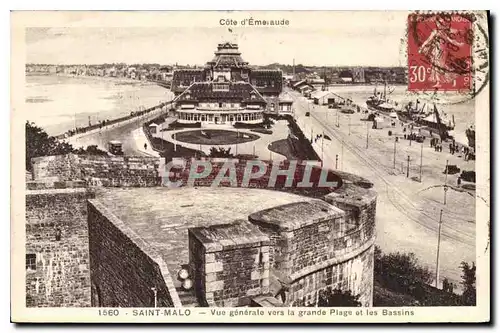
(440,52)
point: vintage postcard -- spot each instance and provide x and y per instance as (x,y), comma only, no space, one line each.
(231,166)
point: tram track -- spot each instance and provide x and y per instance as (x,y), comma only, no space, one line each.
(400,200)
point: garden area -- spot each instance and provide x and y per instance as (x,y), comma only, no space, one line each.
(215,137)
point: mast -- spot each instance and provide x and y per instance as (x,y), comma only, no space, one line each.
(385,90)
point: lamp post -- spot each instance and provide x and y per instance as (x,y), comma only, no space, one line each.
(438,247)
(394,166)
(367,126)
(421,159)
(445,180)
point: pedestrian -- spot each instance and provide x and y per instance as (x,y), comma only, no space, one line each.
(145,146)
(459,181)
(451,146)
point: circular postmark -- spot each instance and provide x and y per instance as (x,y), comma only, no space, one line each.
(454,47)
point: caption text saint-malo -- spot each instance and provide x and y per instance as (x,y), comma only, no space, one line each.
(253,22)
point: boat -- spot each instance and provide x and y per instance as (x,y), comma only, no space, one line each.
(471,136)
(379,101)
(439,121)
(415,110)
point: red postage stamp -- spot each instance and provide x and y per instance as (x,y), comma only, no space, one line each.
(439,52)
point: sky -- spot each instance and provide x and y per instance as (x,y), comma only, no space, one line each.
(311,38)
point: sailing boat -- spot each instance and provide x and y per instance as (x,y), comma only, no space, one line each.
(439,121)
(380,102)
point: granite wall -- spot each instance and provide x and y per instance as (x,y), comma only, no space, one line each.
(57,255)
(125,270)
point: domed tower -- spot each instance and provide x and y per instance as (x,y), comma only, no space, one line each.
(227,64)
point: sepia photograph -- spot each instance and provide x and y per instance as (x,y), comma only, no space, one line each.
(254,161)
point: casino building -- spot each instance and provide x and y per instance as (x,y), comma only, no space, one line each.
(227,91)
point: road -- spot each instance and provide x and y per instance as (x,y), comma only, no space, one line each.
(121,131)
(407,210)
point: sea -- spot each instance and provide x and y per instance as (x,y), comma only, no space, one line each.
(59,103)
(463,112)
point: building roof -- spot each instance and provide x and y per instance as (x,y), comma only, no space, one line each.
(161,216)
(298,214)
(306,87)
(227,55)
(285,98)
(182,78)
(316,81)
(203,91)
(267,80)
(299,83)
(320,94)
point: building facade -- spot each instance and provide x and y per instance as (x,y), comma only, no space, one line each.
(227,90)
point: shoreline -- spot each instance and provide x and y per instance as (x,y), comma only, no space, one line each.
(122,80)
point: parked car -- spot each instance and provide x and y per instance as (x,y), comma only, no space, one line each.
(308,114)
(115,147)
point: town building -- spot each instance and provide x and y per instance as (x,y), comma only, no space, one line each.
(226,91)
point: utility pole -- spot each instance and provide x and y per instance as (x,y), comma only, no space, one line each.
(367,125)
(394,167)
(445,180)
(438,246)
(322,145)
(421,158)
(408,167)
(342,156)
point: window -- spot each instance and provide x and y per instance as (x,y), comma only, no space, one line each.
(31,262)
(220,87)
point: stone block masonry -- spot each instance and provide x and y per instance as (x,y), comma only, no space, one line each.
(125,271)
(317,246)
(57,255)
(119,171)
(80,254)
(230,263)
